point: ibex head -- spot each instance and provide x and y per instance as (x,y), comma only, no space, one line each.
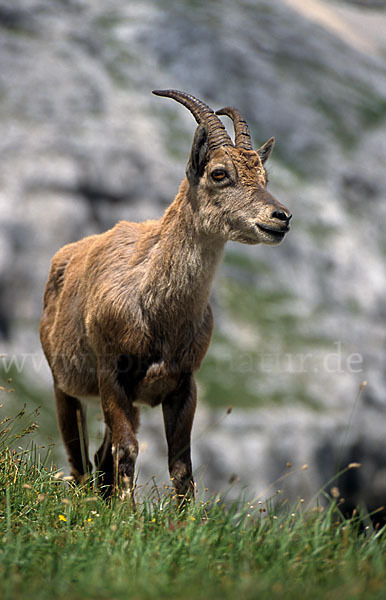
(228,180)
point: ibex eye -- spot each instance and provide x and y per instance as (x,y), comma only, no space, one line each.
(219,174)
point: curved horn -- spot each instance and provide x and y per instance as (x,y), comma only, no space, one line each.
(242,135)
(203,114)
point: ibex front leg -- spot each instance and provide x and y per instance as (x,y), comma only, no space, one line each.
(178,411)
(122,418)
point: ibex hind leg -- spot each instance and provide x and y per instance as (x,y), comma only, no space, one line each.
(73,427)
(105,465)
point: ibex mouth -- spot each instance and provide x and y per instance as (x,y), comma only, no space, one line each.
(275,233)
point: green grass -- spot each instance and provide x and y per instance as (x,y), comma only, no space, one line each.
(60,541)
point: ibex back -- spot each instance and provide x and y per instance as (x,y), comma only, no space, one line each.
(126,313)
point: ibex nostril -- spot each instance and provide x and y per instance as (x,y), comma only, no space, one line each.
(281,215)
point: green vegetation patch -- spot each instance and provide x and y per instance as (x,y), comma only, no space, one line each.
(59,540)
(263,343)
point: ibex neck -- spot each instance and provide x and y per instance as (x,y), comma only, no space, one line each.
(183,261)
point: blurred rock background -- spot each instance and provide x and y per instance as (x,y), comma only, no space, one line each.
(299,326)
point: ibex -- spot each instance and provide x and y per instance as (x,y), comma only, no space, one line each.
(126,313)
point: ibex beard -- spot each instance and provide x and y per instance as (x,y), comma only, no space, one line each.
(126,314)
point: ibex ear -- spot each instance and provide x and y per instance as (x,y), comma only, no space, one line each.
(266,149)
(198,155)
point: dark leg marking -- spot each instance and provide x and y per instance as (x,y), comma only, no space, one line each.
(178,411)
(73,427)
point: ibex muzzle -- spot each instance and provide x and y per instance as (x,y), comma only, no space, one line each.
(126,313)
